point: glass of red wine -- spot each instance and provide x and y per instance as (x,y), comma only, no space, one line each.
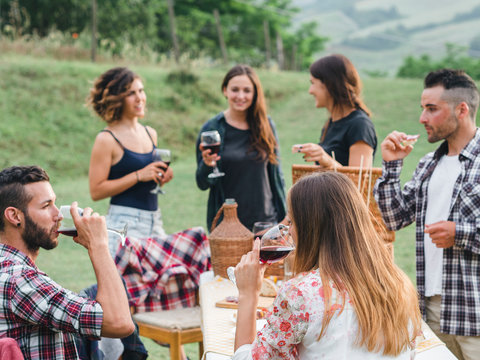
(67,227)
(211,140)
(161,155)
(275,245)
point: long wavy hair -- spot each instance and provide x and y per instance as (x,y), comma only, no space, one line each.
(262,138)
(335,234)
(108,92)
(342,81)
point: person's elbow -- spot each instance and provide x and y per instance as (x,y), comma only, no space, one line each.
(119,328)
(96,194)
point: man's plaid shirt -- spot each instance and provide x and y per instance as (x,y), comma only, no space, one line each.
(38,313)
(460,309)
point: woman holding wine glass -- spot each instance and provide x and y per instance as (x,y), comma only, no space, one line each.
(238,153)
(122,166)
(347,299)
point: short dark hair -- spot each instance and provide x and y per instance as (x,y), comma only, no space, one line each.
(12,190)
(459,87)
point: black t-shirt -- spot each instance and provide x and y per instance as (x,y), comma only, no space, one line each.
(246,178)
(343,133)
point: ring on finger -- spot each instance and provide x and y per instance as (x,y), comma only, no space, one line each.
(160,174)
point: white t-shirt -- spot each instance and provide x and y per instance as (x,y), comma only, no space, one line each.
(440,191)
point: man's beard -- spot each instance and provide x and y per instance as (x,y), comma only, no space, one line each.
(35,237)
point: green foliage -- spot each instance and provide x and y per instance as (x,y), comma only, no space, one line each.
(126,27)
(455,58)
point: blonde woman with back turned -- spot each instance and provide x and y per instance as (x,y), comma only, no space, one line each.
(348,300)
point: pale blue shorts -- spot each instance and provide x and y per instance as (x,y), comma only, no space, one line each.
(141,224)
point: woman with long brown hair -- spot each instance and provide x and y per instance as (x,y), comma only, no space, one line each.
(348,300)
(248,156)
(349,134)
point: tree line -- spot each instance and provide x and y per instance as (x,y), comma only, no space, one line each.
(257,32)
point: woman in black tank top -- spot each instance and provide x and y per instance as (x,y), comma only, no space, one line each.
(121,166)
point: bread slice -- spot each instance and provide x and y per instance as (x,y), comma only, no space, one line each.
(269,288)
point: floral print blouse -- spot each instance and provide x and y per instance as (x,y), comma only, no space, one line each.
(295,321)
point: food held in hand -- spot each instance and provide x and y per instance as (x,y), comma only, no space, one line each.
(410,140)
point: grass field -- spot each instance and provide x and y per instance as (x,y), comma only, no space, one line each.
(44,121)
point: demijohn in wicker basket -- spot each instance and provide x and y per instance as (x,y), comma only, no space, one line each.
(229,240)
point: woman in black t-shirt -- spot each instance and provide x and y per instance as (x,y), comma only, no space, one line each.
(248,155)
(348,135)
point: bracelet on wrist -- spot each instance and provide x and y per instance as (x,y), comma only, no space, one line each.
(136,174)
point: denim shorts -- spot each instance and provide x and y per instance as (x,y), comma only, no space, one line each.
(141,224)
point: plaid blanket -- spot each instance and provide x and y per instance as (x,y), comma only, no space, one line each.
(164,273)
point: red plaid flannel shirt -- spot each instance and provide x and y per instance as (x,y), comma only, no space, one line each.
(164,273)
(38,313)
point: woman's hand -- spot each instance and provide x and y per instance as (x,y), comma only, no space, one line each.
(156,171)
(249,272)
(314,152)
(208,158)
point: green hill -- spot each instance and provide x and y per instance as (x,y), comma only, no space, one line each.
(379,34)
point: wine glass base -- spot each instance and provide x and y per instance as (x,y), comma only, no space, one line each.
(215,175)
(157,191)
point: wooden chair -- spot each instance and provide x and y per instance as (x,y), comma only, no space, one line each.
(174,327)
(365,178)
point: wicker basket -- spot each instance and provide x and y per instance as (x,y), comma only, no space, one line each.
(229,240)
(366,183)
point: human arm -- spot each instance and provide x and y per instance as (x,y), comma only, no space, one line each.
(360,154)
(249,276)
(101,160)
(287,323)
(314,152)
(111,294)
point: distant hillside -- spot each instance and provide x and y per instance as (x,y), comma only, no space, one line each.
(378,34)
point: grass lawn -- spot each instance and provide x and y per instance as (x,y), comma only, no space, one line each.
(44,122)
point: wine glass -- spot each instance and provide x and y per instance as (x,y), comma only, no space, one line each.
(275,245)
(165,156)
(67,226)
(211,140)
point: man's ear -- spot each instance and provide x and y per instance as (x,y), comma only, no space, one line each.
(14,216)
(462,110)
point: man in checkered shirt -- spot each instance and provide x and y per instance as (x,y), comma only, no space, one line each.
(443,198)
(39,314)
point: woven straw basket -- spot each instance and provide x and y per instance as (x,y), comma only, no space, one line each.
(365,178)
(229,240)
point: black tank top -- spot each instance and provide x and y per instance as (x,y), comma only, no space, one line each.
(138,196)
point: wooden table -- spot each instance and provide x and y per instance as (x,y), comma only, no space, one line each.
(218,325)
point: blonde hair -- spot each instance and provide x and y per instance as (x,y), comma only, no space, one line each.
(335,234)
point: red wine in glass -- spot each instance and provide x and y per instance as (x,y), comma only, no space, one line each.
(214,148)
(273,253)
(68,232)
